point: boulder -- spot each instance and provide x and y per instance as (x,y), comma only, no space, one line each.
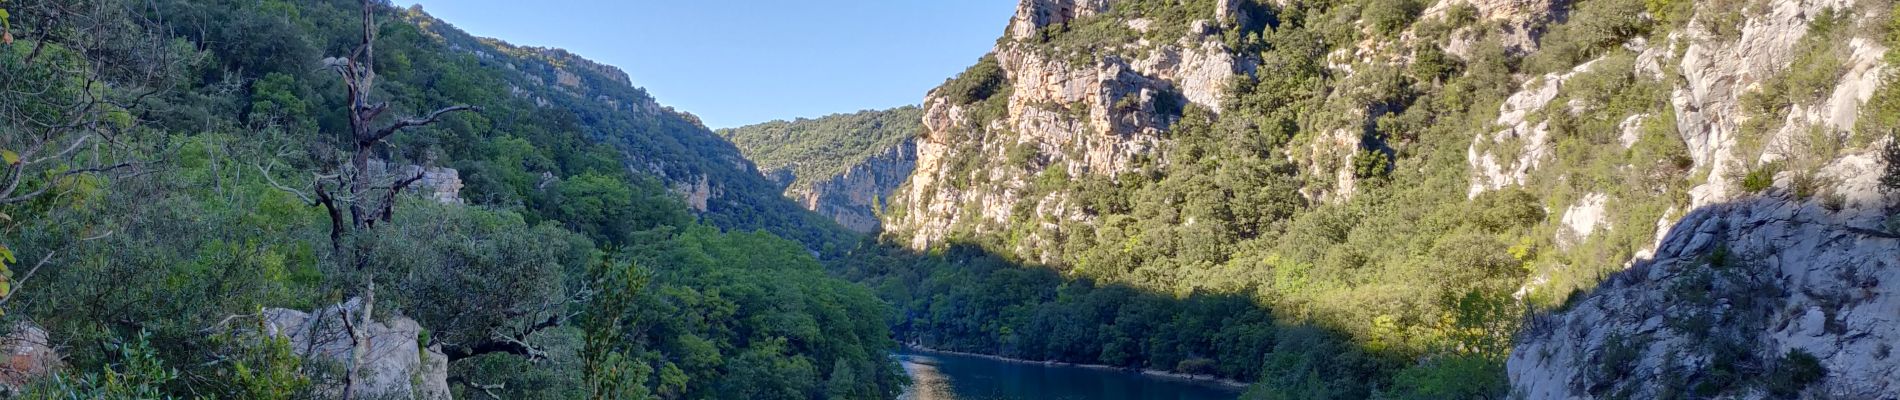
(395,366)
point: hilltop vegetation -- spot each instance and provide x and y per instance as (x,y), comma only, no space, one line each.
(817,149)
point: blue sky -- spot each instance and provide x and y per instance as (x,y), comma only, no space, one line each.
(747,61)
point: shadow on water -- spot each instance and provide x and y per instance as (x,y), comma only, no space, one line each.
(966,299)
(943,376)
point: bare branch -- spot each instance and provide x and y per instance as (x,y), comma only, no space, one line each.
(407,123)
(273,182)
(388,208)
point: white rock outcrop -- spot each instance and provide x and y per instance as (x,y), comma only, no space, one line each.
(1766,275)
(395,364)
(1092,115)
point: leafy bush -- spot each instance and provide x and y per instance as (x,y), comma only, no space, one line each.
(1890,182)
(1793,373)
(1594,27)
(1761,178)
(1388,17)
(977,83)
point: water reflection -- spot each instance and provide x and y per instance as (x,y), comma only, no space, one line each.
(938,376)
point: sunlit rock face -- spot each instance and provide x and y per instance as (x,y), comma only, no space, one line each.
(854,198)
(1080,115)
(1741,279)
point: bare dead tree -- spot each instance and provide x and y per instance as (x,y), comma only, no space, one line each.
(357,196)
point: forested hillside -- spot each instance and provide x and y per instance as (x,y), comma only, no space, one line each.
(255,200)
(843,166)
(1369,199)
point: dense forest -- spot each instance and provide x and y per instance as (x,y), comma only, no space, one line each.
(177,166)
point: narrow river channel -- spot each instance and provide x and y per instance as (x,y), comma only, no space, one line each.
(939,376)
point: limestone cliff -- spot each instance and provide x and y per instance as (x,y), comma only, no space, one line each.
(1078,108)
(842,166)
(855,197)
(1771,263)
(1712,159)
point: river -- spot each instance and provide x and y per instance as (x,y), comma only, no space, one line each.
(939,376)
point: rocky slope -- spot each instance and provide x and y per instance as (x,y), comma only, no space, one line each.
(1774,286)
(1058,108)
(854,198)
(842,166)
(1746,283)
(1719,151)
(709,173)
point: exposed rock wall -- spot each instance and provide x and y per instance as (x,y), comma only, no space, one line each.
(1762,275)
(1093,115)
(396,366)
(1744,278)
(854,198)
(1033,15)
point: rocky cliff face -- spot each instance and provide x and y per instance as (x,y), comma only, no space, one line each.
(1060,108)
(1743,282)
(1713,149)
(855,198)
(1732,291)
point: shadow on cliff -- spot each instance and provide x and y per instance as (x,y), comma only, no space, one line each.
(1737,294)
(964,298)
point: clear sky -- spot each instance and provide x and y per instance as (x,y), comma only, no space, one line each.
(739,62)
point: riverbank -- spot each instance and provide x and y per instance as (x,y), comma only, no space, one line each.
(1155,373)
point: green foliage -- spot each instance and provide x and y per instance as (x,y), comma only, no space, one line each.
(1388,17)
(978,83)
(743,315)
(814,150)
(1793,373)
(136,374)
(1452,377)
(1760,178)
(1890,181)
(1594,27)
(215,223)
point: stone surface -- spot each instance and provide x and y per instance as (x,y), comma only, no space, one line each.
(1094,116)
(1810,276)
(1521,21)
(853,199)
(1033,15)
(396,366)
(1508,157)
(29,355)
(1584,218)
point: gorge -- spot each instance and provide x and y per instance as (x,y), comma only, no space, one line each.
(1318,199)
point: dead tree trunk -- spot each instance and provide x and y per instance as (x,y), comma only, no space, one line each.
(367,197)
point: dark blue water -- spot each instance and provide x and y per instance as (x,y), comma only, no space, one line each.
(938,376)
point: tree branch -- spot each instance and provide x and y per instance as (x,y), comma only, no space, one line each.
(407,123)
(503,344)
(336,215)
(387,209)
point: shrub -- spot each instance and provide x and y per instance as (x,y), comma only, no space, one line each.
(1794,372)
(978,83)
(1388,17)
(1619,357)
(1761,178)
(1891,181)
